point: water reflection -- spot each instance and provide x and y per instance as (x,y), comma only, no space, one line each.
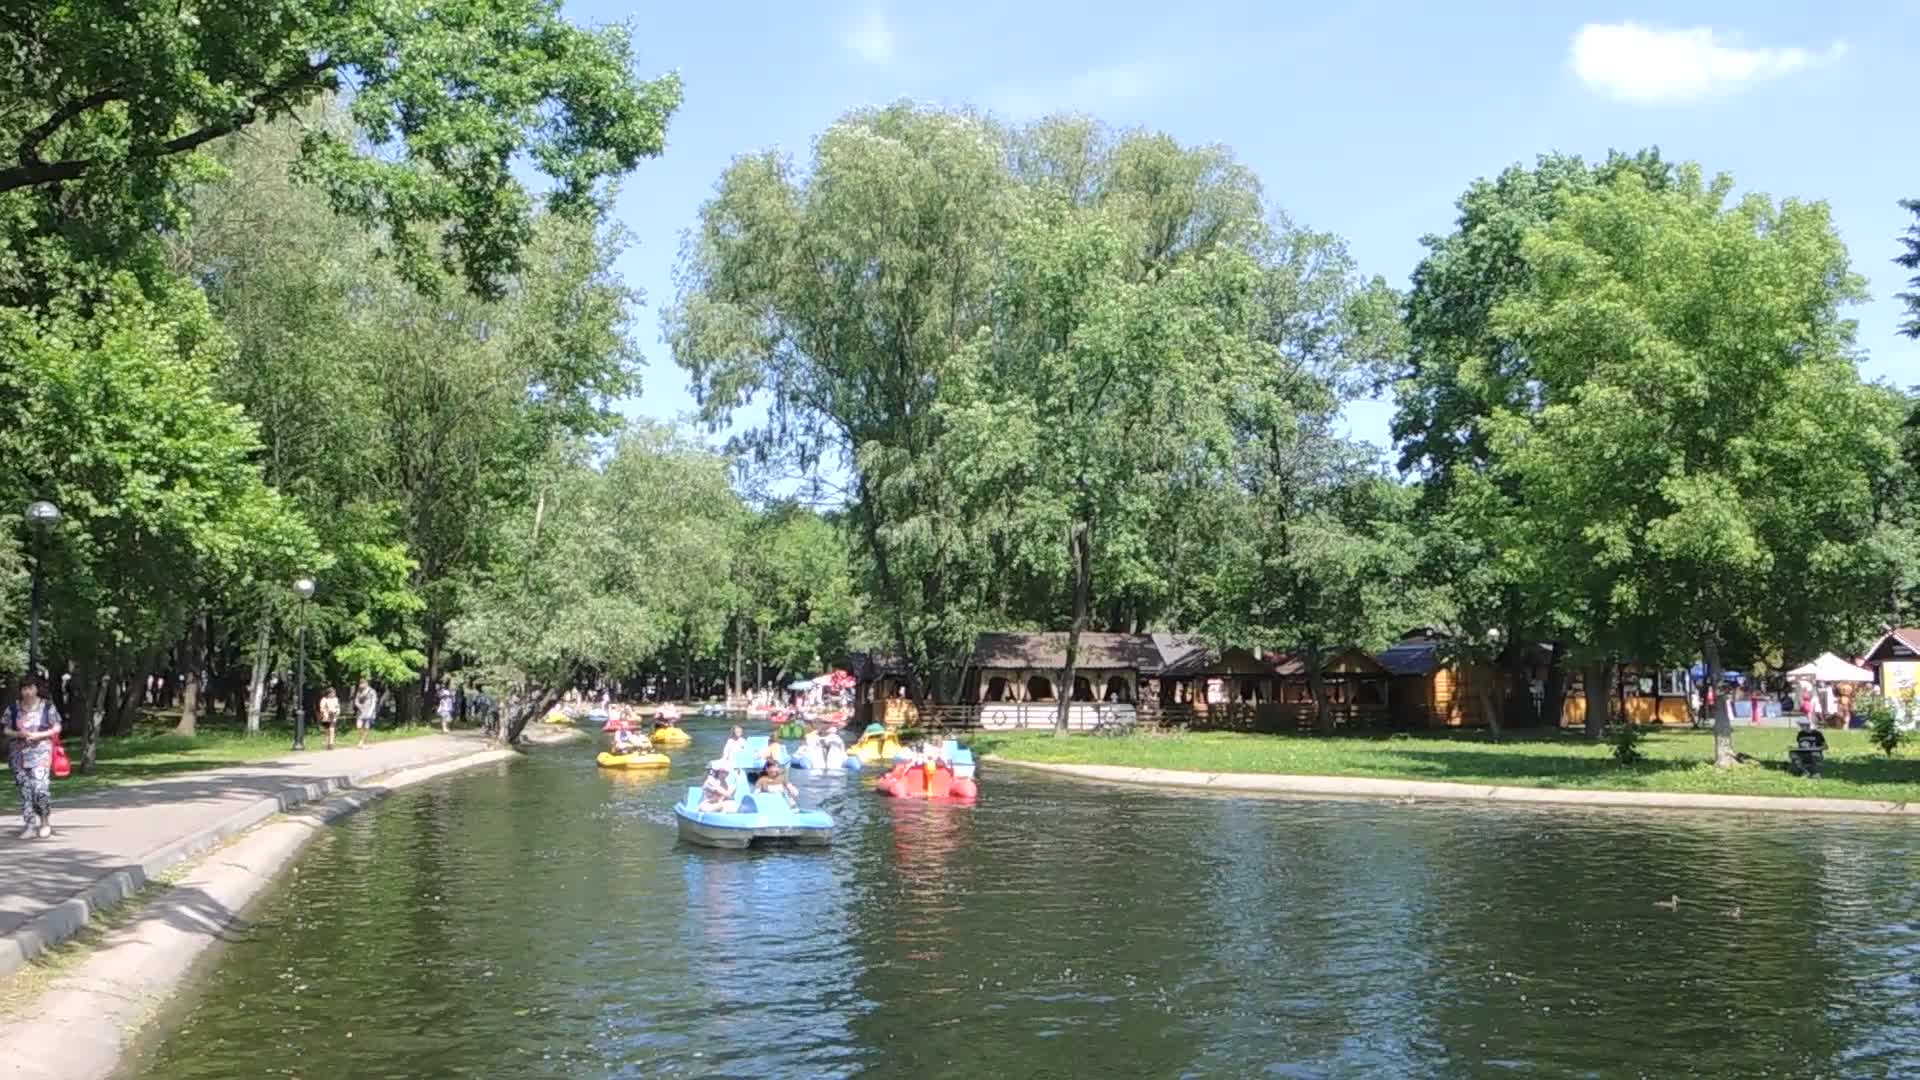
(544,920)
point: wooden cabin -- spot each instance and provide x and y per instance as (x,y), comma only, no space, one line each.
(1895,663)
(1432,688)
(880,690)
(1015,679)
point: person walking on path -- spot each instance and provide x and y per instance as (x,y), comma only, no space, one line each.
(366,706)
(443,708)
(330,713)
(31,724)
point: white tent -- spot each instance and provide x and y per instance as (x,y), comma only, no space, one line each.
(1828,668)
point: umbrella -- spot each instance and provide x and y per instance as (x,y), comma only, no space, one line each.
(803,684)
(1830,668)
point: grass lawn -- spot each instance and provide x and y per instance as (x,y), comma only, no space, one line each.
(1676,759)
(153,751)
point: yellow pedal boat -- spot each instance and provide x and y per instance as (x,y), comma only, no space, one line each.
(608,760)
(669,736)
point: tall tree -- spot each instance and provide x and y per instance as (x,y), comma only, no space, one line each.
(839,296)
(1702,455)
(104,106)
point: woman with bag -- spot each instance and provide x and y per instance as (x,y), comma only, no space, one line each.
(32,729)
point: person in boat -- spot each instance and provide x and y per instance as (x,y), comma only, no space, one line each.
(812,747)
(716,793)
(775,779)
(770,753)
(628,741)
(736,742)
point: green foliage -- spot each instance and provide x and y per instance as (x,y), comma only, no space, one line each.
(794,566)
(1910,258)
(1625,739)
(105,105)
(1882,722)
(112,415)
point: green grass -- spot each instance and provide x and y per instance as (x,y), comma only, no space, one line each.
(152,751)
(1676,760)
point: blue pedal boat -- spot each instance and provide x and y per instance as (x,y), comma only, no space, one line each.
(762,817)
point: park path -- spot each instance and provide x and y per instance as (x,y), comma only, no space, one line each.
(108,844)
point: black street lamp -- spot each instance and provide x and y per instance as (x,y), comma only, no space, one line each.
(302,588)
(42,516)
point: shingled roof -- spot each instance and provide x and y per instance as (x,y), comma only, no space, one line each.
(1047,652)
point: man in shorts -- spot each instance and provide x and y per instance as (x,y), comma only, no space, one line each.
(366,706)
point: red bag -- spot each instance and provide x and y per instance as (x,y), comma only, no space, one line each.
(61,766)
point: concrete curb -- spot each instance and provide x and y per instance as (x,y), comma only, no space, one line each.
(87,1019)
(1358,787)
(65,919)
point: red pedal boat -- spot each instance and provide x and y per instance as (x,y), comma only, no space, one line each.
(914,780)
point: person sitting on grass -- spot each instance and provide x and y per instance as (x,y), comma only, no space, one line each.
(716,793)
(774,779)
(1809,747)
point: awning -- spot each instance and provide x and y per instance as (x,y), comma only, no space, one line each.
(1830,668)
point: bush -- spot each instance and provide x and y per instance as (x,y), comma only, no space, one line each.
(1883,722)
(1626,742)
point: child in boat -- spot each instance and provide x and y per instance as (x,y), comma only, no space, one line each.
(775,779)
(736,742)
(716,794)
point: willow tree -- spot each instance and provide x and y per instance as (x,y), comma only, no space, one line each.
(837,297)
(1703,453)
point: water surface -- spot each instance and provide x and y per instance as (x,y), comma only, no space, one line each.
(540,920)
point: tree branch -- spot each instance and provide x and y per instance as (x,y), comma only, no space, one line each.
(31,172)
(30,143)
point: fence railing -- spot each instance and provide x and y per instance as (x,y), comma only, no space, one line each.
(1267,717)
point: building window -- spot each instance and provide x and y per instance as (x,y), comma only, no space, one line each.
(997,689)
(1082,689)
(1367,692)
(1039,688)
(1673,683)
(1117,689)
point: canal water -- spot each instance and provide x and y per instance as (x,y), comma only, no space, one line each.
(540,920)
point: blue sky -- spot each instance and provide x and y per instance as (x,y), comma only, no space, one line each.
(1367,121)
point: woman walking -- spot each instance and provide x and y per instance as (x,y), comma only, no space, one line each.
(31,724)
(330,713)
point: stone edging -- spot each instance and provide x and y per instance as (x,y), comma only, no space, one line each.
(87,1018)
(1360,787)
(65,919)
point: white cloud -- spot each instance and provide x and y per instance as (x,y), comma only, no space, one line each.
(870,37)
(1089,90)
(1644,66)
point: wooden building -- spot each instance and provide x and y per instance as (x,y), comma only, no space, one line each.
(1015,679)
(1895,663)
(1432,688)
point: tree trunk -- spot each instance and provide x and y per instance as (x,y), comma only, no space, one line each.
(262,665)
(1553,698)
(733,683)
(1080,559)
(83,709)
(536,702)
(1488,708)
(1317,689)
(759,656)
(194,661)
(1723,754)
(1595,678)
(127,707)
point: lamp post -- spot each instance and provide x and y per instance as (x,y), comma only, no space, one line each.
(302,588)
(42,516)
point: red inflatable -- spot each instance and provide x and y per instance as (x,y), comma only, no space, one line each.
(914,781)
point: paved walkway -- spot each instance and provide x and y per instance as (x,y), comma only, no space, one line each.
(1352,787)
(111,843)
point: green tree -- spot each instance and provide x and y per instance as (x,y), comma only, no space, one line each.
(1700,462)
(105,106)
(1910,258)
(798,589)
(115,419)
(838,297)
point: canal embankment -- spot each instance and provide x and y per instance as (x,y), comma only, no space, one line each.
(190,852)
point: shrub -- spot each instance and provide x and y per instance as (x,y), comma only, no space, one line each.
(1626,742)
(1883,722)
